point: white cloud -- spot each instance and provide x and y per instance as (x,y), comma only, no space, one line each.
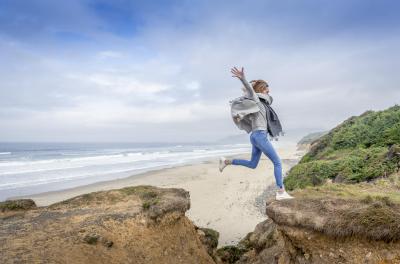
(193,86)
(123,84)
(106,54)
(110,112)
(169,75)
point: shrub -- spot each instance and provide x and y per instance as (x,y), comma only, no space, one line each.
(356,150)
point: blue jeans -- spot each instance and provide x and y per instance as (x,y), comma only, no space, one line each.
(260,144)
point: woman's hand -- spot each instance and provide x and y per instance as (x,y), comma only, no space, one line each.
(237,73)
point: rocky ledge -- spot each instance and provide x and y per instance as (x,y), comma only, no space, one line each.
(144,224)
(141,224)
(323,230)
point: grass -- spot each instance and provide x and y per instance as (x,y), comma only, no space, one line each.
(91,239)
(378,189)
(379,220)
(374,219)
(370,210)
(148,194)
(211,235)
(137,190)
(230,254)
(146,204)
(16,205)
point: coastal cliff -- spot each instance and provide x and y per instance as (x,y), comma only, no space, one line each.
(347,200)
(320,226)
(334,223)
(141,224)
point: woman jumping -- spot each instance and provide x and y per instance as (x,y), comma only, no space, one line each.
(254,115)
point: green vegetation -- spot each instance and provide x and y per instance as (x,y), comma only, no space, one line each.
(386,190)
(368,209)
(148,194)
(210,240)
(141,191)
(355,214)
(211,236)
(230,254)
(16,205)
(149,202)
(360,149)
(149,198)
(91,239)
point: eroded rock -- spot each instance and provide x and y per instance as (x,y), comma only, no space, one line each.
(141,224)
(308,231)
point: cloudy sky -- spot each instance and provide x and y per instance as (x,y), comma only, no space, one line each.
(94,70)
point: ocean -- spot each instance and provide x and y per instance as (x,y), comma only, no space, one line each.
(30,168)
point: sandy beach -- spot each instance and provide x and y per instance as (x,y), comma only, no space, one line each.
(226,202)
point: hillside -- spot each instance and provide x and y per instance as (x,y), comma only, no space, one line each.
(362,148)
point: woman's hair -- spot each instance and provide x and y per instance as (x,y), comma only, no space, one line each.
(259,86)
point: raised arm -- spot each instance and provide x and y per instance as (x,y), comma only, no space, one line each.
(240,75)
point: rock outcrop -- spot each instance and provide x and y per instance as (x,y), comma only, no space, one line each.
(329,224)
(330,230)
(140,224)
(306,141)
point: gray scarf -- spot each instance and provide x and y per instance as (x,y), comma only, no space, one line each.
(273,123)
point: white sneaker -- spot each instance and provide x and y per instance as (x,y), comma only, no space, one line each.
(283,195)
(222,164)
